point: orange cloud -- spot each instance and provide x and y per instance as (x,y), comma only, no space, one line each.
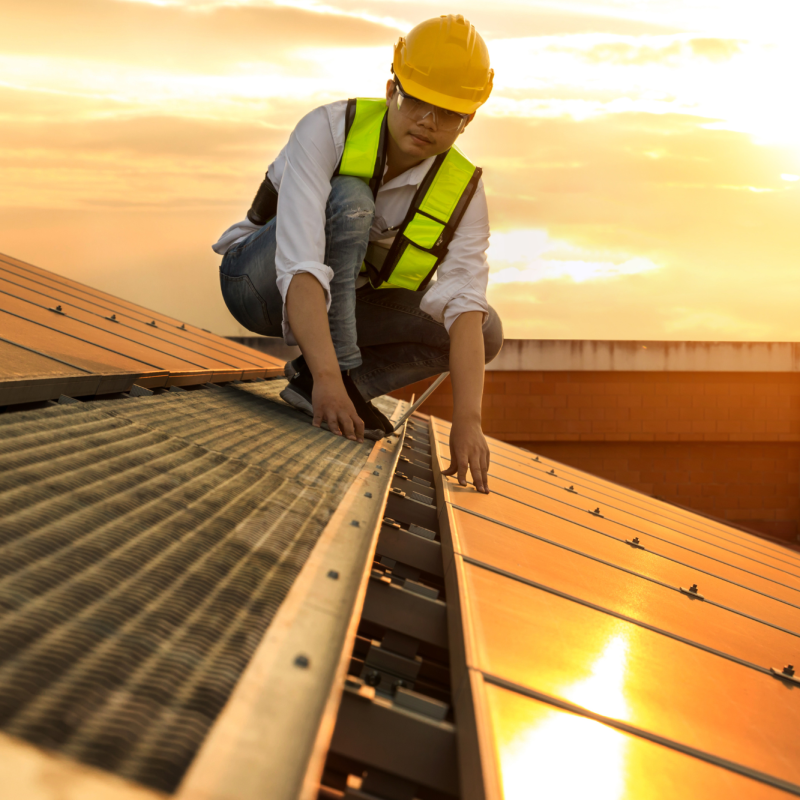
(673,229)
(715,49)
(631,54)
(175,37)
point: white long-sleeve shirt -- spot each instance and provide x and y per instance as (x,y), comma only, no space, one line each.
(302,175)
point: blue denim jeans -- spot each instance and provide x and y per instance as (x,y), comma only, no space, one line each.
(380,335)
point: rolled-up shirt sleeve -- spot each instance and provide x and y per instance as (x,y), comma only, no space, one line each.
(304,187)
(463,276)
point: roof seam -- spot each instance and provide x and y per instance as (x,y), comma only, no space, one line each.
(658,538)
(667,527)
(733,766)
(617,614)
(625,569)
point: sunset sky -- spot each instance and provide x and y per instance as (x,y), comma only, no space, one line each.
(641,157)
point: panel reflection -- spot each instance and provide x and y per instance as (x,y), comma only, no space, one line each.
(549,754)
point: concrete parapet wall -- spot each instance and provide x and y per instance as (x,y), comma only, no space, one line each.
(714,426)
(559,355)
(723,443)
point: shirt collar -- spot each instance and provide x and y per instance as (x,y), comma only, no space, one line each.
(411,177)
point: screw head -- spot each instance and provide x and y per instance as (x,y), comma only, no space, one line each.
(301,661)
(693,588)
(355,523)
(372,678)
(636,540)
(597,510)
(333,574)
(58,308)
(368,494)
(788,670)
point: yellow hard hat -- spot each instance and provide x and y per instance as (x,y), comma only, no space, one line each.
(445,61)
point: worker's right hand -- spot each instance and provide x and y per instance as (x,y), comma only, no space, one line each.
(332,406)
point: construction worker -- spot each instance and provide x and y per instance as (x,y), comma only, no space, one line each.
(366,246)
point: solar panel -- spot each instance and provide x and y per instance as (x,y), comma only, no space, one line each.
(604,644)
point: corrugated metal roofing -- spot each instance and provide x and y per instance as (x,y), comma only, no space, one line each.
(605,644)
(146,544)
(58,336)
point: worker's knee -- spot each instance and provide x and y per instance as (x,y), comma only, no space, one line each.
(351,205)
(492,335)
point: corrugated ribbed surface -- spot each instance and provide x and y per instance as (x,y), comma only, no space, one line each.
(145,546)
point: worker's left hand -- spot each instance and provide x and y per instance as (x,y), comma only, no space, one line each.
(468,448)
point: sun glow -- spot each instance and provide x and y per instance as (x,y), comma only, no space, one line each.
(638,156)
(521,257)
(563,756)
(729,82)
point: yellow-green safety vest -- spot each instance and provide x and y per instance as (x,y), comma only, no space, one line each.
(434,214)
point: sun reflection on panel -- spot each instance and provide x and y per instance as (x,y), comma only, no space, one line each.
(561,756)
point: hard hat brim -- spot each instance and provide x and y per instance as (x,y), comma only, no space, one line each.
(457,104)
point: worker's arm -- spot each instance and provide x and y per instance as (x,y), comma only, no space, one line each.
(468,446)
(308,318)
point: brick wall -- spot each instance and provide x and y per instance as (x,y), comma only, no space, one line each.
(727,444)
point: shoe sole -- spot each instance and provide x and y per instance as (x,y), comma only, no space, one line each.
(296,400)
(289,371)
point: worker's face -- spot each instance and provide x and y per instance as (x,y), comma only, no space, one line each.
(419,140)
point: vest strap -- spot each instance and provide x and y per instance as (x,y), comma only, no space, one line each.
(430,224)
(364,154)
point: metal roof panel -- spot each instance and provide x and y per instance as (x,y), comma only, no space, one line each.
(565,650)
(547,751)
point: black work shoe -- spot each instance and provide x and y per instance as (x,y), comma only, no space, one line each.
(376,425)
(299,390)
(291,368)
(388,428)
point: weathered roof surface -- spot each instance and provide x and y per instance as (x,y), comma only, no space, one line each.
(601,643)
(606,644)
(146,544)
(58,336)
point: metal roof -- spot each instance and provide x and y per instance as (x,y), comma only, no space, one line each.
(146,545)
(606,644)
(58,336)
(203,594)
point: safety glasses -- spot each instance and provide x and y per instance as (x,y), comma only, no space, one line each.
(417,110)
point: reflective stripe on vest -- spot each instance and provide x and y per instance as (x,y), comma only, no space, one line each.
(426,229)
(364,142)
(434,214)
